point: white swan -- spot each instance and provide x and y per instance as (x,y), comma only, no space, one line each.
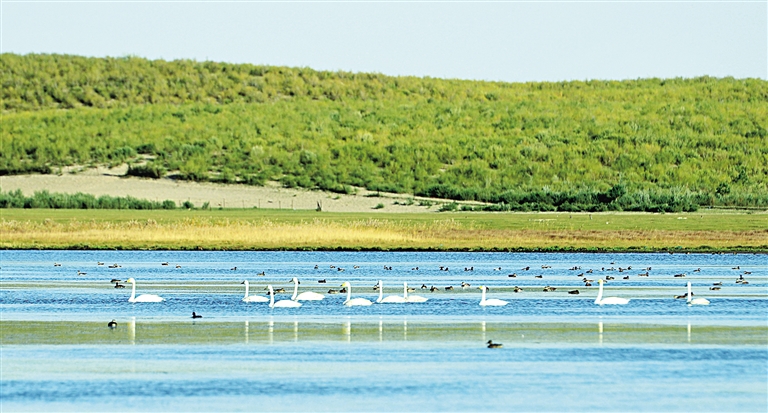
(253,298)
(492,302)
(305,296)
(608,300)
(352,302)
(390,299)
(412,298)
(281,303)
(695,301)
(144,298)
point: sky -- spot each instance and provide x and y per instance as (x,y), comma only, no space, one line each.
(513,41)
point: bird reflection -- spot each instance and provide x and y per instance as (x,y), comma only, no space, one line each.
(295,330)
(600,331)
(381,329)
(271,330)
(689,331)
(246,332)
(405,330)
(132,330)
(348,330)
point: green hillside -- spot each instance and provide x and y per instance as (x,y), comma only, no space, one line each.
(648,144)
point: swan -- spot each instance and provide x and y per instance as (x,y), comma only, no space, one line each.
(253,298)
(281,303)
(492,302)
(391,299)
(357,301)
(695,301)
(305,296)
(412,298)
(608,300)
(144,298)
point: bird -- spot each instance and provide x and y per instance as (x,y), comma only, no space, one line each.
(412,298)
(253,298)
(112,324)
(574,292)
(321,281)
(433,289)
(99,263)
(261,274)
(281,303)
(491,344)
(465,285)
(81,273)
(233,269)
(163,263)
(196,315)
(549,289)
(449,288)
(178,266)
(517,289)
(491,302)
(349,302)
(714,288)
(56,264)
(332,291)
(390,299)
(538,276)
(608,300)
(118,285)
(513,275)
(695,301)
(424,286)
(144,298)
(305,296)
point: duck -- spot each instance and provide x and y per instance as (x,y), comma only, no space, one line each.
(549,289)
(99,263)
(517,289)
(118,285)
(321,281)
(81,273)
(112,324)
(164,263)
(424,286)
(679,275)
(491,344)
(513,275)
(178,266)
(195,315)
(714,288)
(465,285)
(449,288)
(114,280)
(538,276)
(332,291)
(433,289)
(574,292)
(233,269)
(261,274)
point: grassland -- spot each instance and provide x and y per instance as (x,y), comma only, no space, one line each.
(636,145)
(308,230)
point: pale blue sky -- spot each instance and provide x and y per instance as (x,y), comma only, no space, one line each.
(508,41)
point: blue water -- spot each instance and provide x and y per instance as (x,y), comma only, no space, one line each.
(562,352)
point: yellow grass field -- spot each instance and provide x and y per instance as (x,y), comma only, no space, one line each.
(270,229)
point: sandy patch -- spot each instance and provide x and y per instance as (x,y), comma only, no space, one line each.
(104,181)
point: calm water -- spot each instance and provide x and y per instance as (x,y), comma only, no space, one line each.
(561,351)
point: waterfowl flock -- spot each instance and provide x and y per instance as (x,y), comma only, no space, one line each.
(586,277)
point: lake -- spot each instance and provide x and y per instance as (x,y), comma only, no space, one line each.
(560,351)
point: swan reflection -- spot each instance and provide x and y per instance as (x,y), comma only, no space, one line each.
(689,331)
(246,332)
(132,330)
(600,332)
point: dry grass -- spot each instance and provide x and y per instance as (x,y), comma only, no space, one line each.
(204,233)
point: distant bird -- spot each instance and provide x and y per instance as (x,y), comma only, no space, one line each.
(332,291)
(261,274)
(196,315)
(538,276)
(679,275)
(464,285)
(433,289)
(513,275)
(321,281)
(164,263)
(56,264)
(112,324)
(574,292)
(316,267)
(718,283)
(81,273)
(517,289)
(115,280)
(424,286)
(178,266)
(99,263)
(714,288)
(549,289)
(118,285)
(625,277)
(491,344)
(449,288)
(233,269)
